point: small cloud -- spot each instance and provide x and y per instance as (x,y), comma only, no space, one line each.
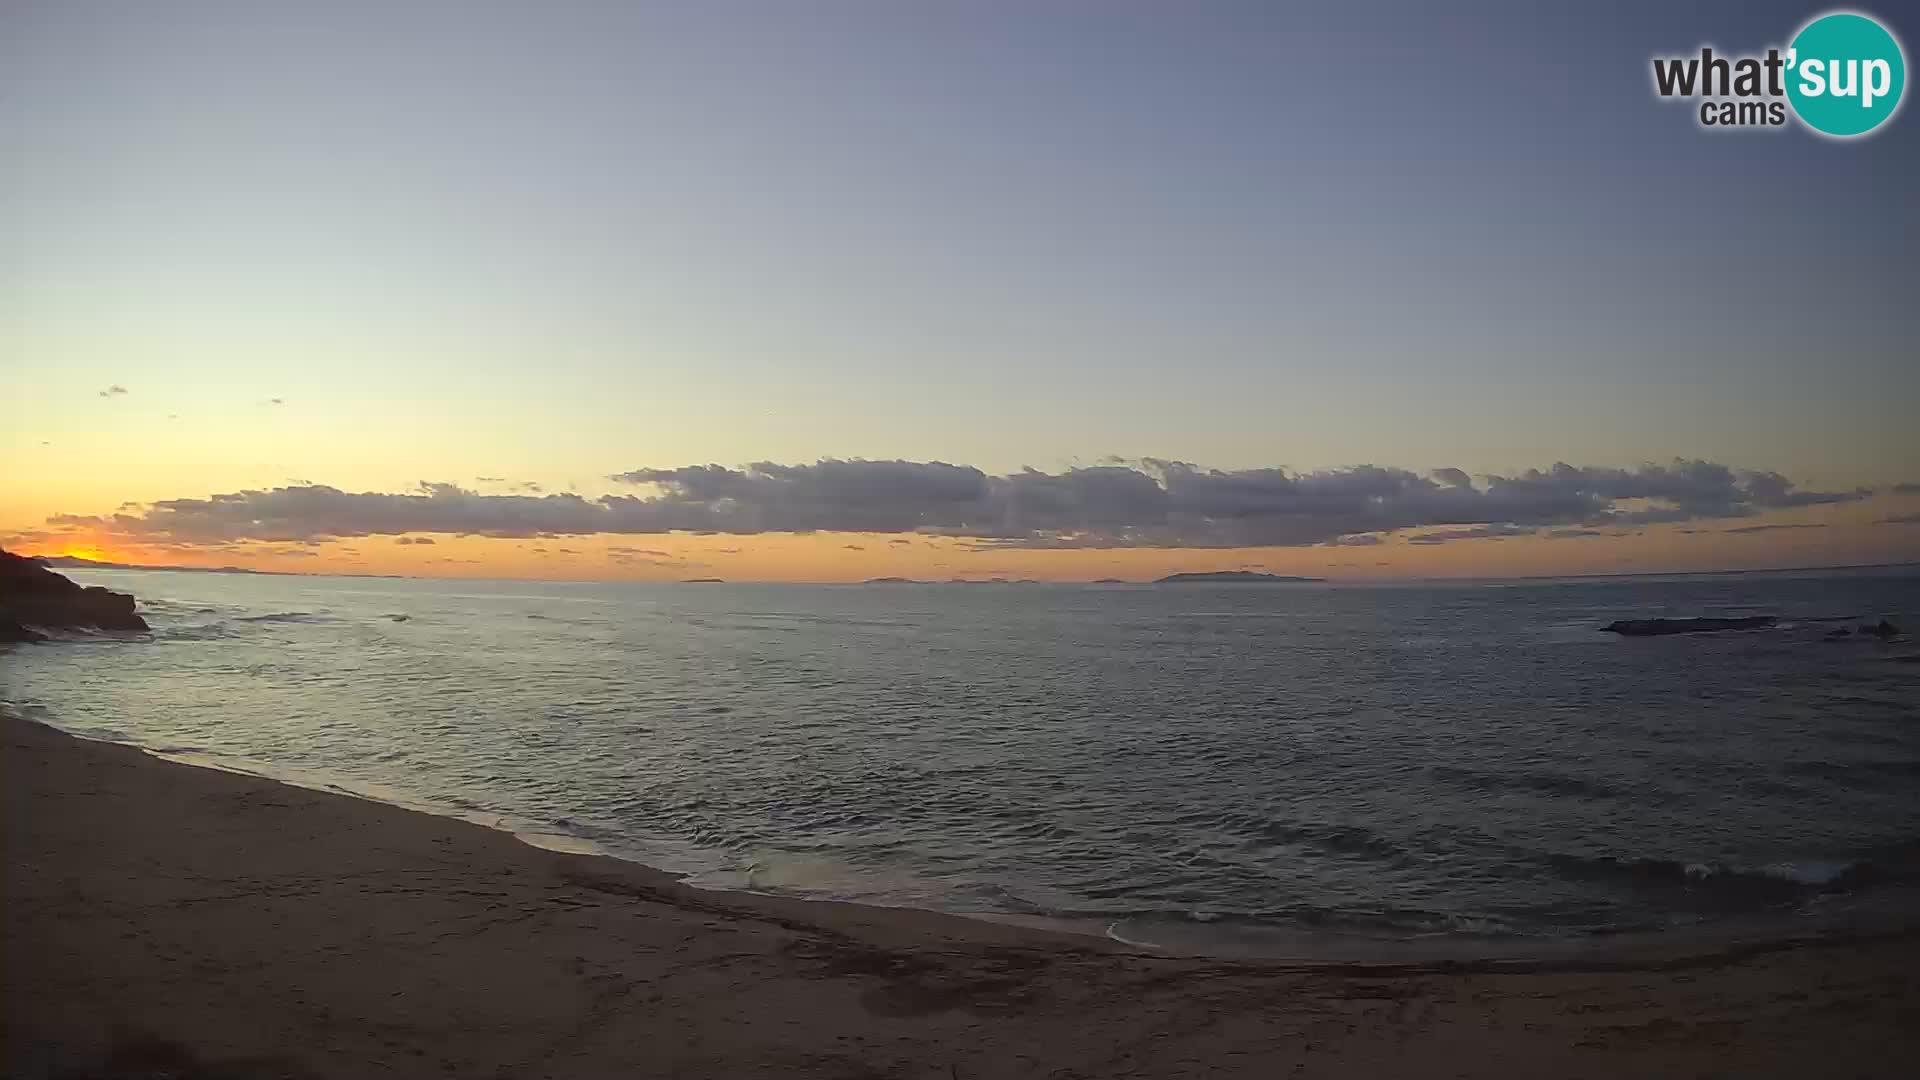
(900,543)
(853,547)
(1356,540)
(529,486)
(1498,531)
(173,416)
(491,479)
(116,390)
(406,541)
(1581,534)
(1771,528)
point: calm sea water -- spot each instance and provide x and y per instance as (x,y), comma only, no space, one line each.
(1461,758)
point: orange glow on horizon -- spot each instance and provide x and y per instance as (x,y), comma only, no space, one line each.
(848,557)
(1851,534)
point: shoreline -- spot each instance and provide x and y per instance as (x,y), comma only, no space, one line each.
(1277,946)
(221,919)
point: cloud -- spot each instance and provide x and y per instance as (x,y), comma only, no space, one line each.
(1496,531)
(1151,503)
(116,390)
(276,401)
(853,547)
(405,540)
(1360,540)
(490,479)
(1900,519)
(632,556)
(1771,528)
(1576,534)
(28,536)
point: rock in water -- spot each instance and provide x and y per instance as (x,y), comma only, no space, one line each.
(1883,630)
(32,595)
(12,633)
(1662,627)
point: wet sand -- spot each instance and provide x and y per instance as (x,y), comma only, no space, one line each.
(161,919)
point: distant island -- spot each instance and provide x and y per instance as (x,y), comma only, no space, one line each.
(1109,581)
(75,562)
(1250,577)
(892,581)
(703,581)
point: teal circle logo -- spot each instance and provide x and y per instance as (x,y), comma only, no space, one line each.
(1845,74)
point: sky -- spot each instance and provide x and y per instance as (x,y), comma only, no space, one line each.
(835,290)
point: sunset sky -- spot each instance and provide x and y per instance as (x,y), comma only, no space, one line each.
(1042,289)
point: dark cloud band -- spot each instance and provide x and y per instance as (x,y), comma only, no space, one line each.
(1146,503)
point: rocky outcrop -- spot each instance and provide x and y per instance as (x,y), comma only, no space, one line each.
(1663,627)
(12,633)
(33,596)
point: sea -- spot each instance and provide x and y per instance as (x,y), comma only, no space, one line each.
(1165,763)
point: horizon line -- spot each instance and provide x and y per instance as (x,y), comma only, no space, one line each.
(85,563)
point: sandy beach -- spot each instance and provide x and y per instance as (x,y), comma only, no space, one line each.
(167,920)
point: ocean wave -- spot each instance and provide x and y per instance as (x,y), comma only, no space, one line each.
(1159,927)
(1335,839)
(197,632)
(1898,773)
(1783,880)
(287,617)
(1537,782)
